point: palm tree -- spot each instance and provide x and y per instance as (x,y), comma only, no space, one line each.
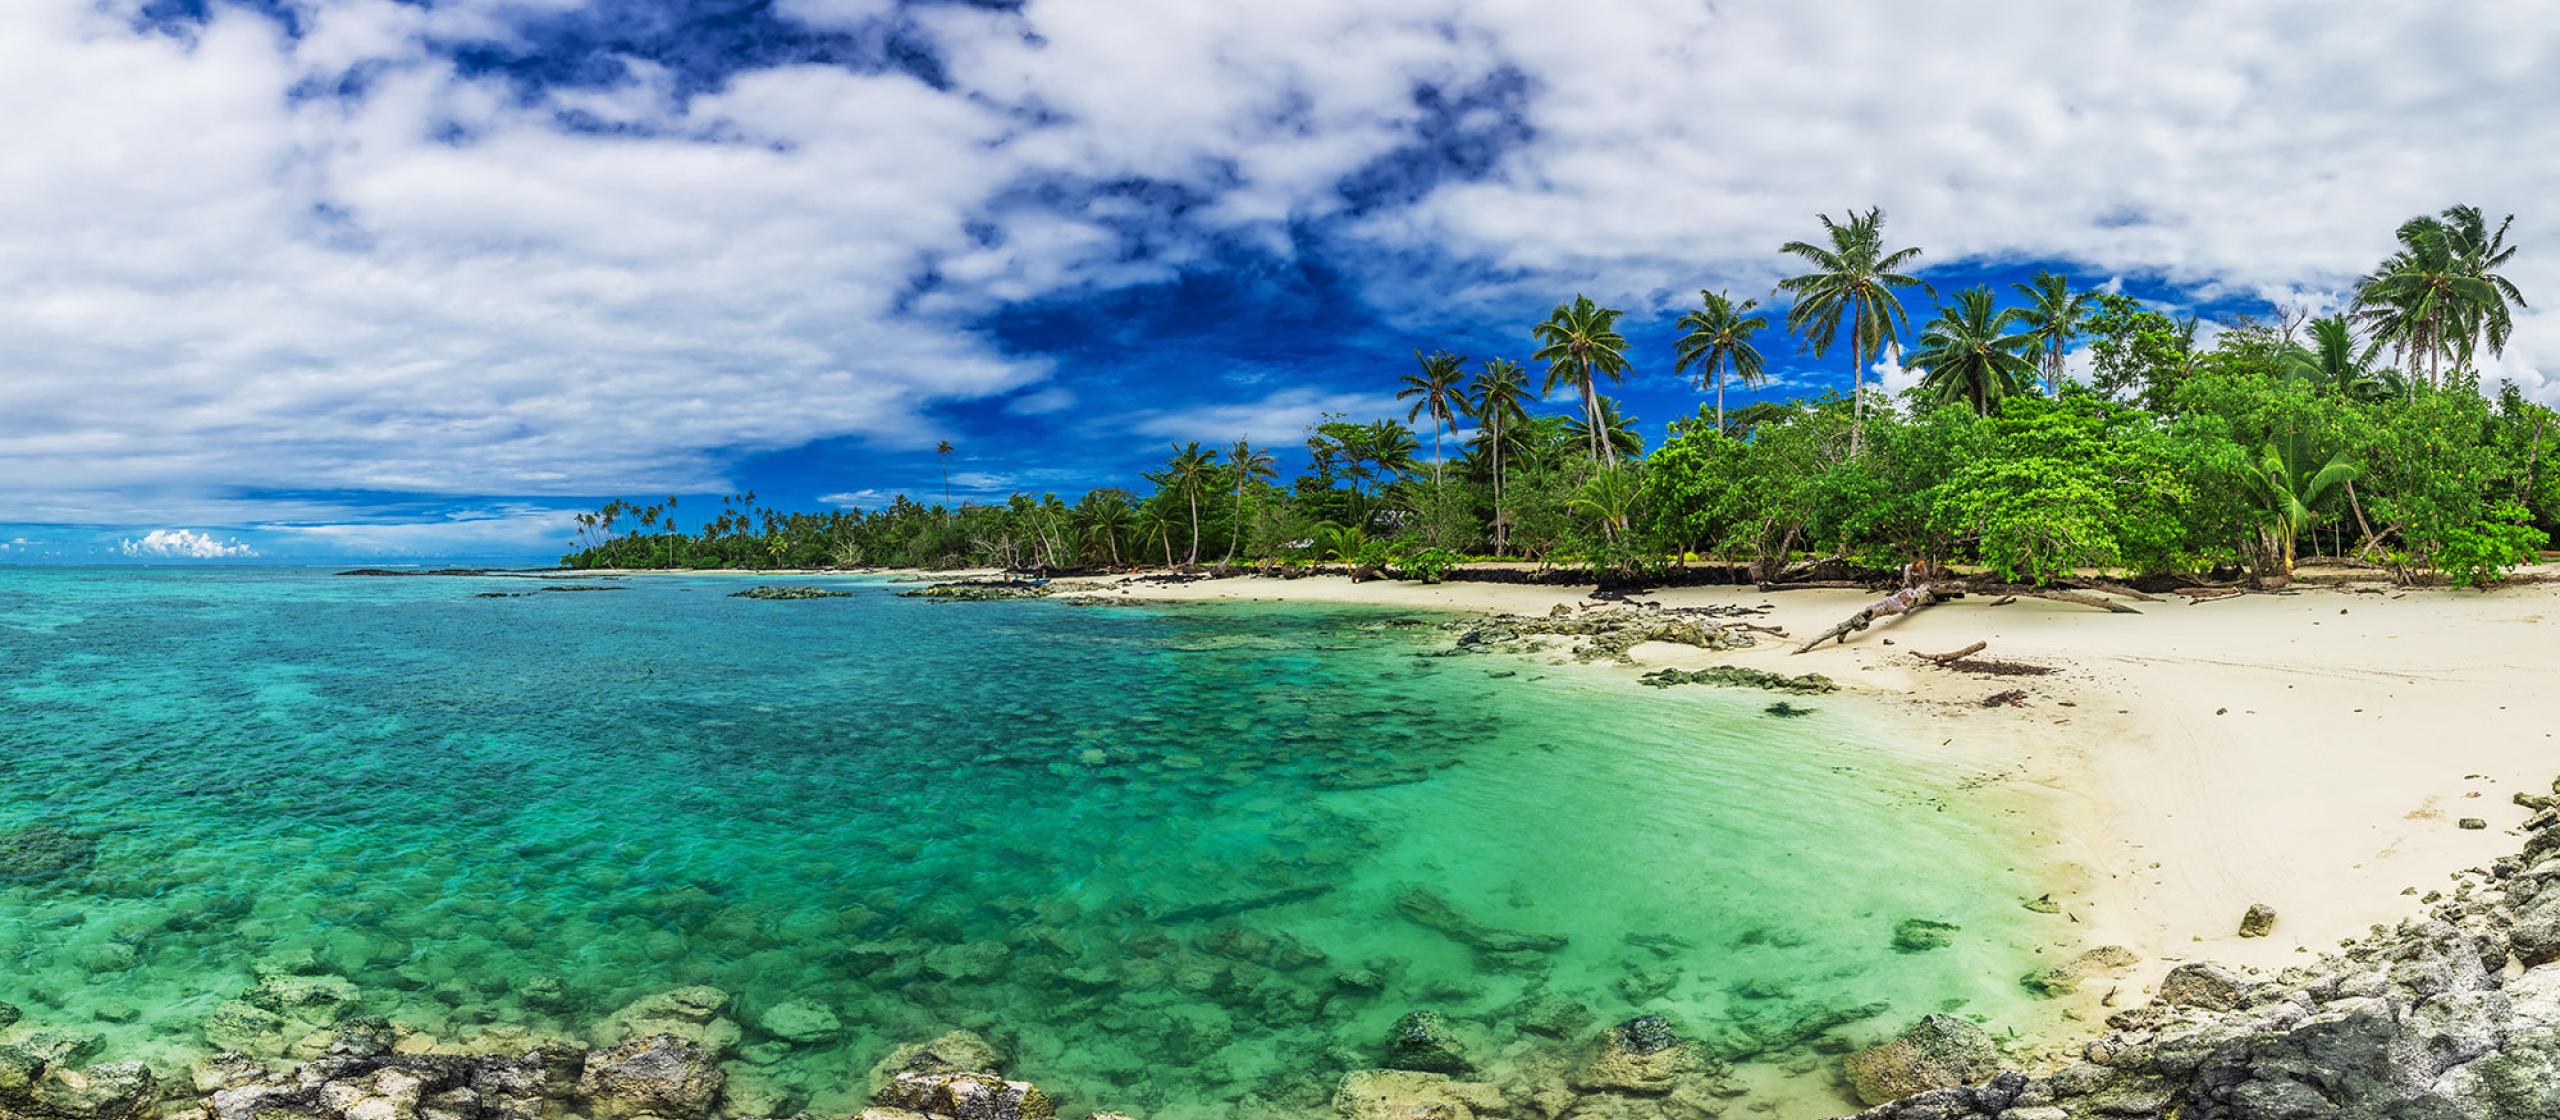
(1249,464)
(1853,279)
(942,449)
(1187,474)
(1968,358)
(1582,344)
(1105,515)
(1435,389)
(2333,364)
(2289,489)
(2436,296)
(2052,315)
(1493,401)
(1719,337)
(1616,434)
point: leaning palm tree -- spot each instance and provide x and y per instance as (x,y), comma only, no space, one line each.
(1105,516)
(1582,345)
(1494,402)
(1853,278)
(2289,479)
(1249,464)
(1970,357)
(2051,316)
(1187,474)
(1718,338)
(2435,298)
(1434,388)
(2481,251)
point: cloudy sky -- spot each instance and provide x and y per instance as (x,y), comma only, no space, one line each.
(333,278)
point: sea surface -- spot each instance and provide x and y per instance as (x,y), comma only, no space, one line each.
(1180,861)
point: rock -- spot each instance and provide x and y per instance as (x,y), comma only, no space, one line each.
(1919,935)
(783,593)
(9,1015)
(315,1000)
(1423,1041)
(245,1027)
(661,1076)
(966,1096)
(1641,1055)
(2259,921)
(1431,911)
(2471,824)
(1737,676)
(956,1052)
(43,853)
(800,1022)
(2208,986)
(2066,978)
(1554,1017)
(692,1014)
(1395,1094)
(1938,1052)
(117,1091)
(981,591)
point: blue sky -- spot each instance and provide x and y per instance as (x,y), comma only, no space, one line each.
(379,279)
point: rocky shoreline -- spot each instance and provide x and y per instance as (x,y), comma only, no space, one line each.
(2454,1016)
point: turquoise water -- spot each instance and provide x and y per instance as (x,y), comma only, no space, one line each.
(1155,853)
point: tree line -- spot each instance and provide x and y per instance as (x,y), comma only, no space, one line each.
(2361,436)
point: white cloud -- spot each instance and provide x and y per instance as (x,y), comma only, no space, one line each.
(186,544)
(1042,402)
(467,532)
(1281,418)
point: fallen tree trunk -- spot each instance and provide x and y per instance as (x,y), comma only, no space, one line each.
(1953,657)
(1905,601)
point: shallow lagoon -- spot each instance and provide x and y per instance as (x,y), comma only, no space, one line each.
(1172,858)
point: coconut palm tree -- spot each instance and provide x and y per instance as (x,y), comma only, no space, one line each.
(1187,474)
(1583,345)
(1105,516)
(2436,297)
(1969,357)
(1718,338)
(1853,279)
(2051,316)
(1615,433)
(1249,464)
(2289,478)
(1493,401)
(2333,364)
(942,449)
(2481,251)
(1434,388)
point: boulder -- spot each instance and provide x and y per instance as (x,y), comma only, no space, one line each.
(1423,1041)
(693,1014)
(661,1075)
(116,1091)
(2066,978)
(2203,985)
(1396,1094)
(2259,921)
(1642,1056)
(956,1052)
(966,1096)
(1938,1052)
(1919,935)
(800,1022)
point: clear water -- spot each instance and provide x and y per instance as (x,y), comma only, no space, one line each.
(1028,819)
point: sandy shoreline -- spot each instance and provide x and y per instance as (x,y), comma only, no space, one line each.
(2311,751)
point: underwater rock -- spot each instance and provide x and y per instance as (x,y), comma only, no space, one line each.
(1423,1041)
(974,961)
(9,1014)
(768,591)
(690,1013)
(1431,911)
(1938,1052)
(43,853)
(662,1076)
(986,590)
(800,1021)
(1609,631)
(115,1091)
(1643,985)
(955,1052)
(966,1096)
(1919,935)
(2066,978)
(1642,1055)
(1554,1017)
(1397,1094)
(245,1027)
(1244,903)
(1740,676)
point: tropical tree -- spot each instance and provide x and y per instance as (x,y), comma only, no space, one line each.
(942,451)
(2334,364)
(2051,316)
(1582,344)
(1493,401)
(2483,250)
(1616,433)
(1853,279)
(1969,357)
(2436,297)
(1187,474)
(1436,388)
(1105,515)
(1249,465)
(2288,479)
(1716,338)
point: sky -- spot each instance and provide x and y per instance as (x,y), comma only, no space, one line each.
(311,280)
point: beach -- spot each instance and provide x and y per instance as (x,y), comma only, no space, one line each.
(2315,751)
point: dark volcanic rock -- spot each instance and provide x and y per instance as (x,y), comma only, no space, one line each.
(788,593)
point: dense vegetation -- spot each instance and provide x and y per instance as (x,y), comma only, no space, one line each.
(2363,436)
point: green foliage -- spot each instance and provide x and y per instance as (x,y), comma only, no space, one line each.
(2138,354)
(1429,565)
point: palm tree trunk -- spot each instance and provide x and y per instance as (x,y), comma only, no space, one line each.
(1193,557)
(1719,402)
(1436,425)
(1235,534)
(1500,531)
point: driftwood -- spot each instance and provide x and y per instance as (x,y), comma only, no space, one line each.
(1905,601)
(1952,657)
